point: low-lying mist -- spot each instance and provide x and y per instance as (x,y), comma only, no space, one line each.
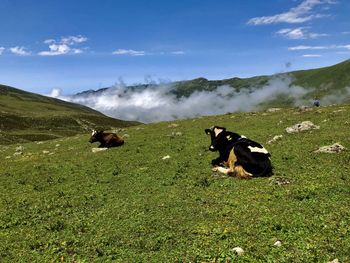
(156,102)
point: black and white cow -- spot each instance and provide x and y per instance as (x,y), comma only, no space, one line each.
(239,156)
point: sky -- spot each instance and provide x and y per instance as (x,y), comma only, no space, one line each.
(79,45)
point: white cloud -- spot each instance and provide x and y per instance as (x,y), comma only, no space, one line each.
(301,47)
(2,49)
(312,55)
(71,40)
(55,93)
(300,14)
(343,52)
(129,52)
(63,46)
(298,33)
(20,51)
(345,46)
(178,52)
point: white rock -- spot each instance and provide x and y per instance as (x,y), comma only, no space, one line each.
(278,243)
(334,148)
(238,250)
(303,126)
(19,149)
(95,150)
(275,138)
(166,157)
(334,261)
(273,109)
(173,125)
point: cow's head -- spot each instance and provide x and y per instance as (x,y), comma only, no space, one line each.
(218,137)
(95,135)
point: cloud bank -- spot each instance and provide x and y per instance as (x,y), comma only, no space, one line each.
(130,52)
(302,13)
(298,33)
(156,103)
(64,46)
(20,51)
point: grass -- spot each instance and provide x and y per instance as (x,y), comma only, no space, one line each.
(61,202)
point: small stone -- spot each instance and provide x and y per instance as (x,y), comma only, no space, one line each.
(95,150)
(279,181)
(278,243)
(275,138)
(273,109)
(166,157)
(238,250)
(173,125)
(305,108)
(19,149)
(334,261)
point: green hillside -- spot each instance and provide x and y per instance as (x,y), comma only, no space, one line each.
(27,116)
(60,202)
(320,82)
(186,88)
(325,80)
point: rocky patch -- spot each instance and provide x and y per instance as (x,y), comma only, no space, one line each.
(303,126)
(334,148)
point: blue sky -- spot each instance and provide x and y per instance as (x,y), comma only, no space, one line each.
(79,45)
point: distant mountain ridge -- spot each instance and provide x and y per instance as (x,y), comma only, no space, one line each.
(26,116)
(320,82)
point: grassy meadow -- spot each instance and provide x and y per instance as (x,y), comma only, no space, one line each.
(60,202)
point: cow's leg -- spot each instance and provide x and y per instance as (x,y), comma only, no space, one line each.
(223,170)
(216,161)
(230,164)
(241,173)
(232,168)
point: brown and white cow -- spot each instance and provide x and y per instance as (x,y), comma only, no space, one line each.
(239,156)
(106,139)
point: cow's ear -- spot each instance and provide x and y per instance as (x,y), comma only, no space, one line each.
(208,131)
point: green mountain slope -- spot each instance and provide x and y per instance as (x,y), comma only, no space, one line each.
(26,116)
(320,82)
(324,80)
